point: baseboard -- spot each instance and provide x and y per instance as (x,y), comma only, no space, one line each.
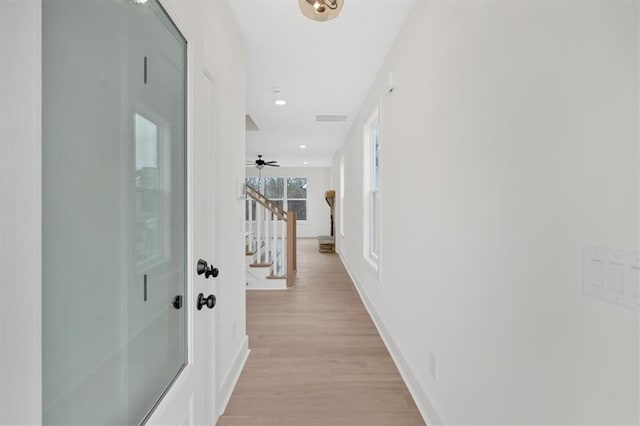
(429,413)
(230,381)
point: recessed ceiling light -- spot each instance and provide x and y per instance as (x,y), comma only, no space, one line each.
(305,163)
(280,102)
(303,146)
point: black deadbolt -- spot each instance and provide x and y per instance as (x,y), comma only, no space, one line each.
(177,302)
(209,302)
(204,268)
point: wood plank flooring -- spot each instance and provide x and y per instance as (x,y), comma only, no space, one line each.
(316,357)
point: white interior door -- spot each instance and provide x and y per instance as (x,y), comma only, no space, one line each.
(127,213)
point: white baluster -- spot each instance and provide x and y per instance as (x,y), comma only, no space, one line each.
(274,243)
(251,223)
(247,224)
(259,231)
(284,247)
(267,240)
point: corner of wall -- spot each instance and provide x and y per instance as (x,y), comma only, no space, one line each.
(223,395)
(425,405)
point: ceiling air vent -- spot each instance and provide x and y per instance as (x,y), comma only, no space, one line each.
(331,118)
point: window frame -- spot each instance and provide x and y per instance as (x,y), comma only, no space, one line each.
(263,189)
(285,194)
(371,189)
(287,198)
(341,197)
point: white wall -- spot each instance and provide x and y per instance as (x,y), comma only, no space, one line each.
(318,181)
(20,213)
(509,143)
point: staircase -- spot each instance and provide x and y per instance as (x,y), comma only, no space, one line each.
(270,243)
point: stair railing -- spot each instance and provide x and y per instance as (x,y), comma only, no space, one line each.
(280,247)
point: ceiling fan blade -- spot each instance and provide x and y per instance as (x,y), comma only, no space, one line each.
(270,162)
(272,165)
(250,163)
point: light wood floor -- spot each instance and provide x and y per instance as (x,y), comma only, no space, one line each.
(316,357)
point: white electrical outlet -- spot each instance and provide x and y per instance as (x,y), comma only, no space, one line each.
(434,366)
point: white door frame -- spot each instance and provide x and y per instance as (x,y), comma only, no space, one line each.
(165,412)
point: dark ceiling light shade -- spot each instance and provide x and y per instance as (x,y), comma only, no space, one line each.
(320,10)
(260,163)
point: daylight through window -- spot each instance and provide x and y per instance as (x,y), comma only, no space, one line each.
(371,185)
(290,193)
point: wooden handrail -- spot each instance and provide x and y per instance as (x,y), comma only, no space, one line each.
(259,197)
(289,217)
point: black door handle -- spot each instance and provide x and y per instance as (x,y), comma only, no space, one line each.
(204,268)
(209,302)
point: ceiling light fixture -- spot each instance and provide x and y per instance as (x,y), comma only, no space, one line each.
(303,146)
(280,102)
(320,10)
(139,1)
(305,163)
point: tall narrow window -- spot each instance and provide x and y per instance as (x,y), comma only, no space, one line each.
(375,191)
(297,197)
(372,189)
(341,196)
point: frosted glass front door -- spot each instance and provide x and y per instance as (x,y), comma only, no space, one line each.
(114,209)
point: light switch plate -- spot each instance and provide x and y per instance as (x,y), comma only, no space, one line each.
(434,366)
(612,275)
(240,190)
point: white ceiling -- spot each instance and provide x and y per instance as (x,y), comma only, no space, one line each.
(320,68)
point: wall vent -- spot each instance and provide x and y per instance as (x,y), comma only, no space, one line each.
(331,118)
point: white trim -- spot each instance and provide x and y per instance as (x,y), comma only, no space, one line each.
(189,214)
(427,409)
(341,197)
(638,177)
(21,212)
(373,262)
(231,380)
(373,259)
(175,390)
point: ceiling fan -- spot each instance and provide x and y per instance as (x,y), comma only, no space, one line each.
(260,163)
